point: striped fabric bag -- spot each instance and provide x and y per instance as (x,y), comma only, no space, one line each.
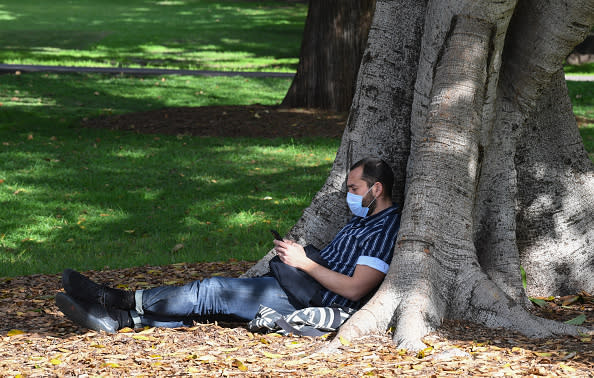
(310,321)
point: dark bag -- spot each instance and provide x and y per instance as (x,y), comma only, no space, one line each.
(302,290)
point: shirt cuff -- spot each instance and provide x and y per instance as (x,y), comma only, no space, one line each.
(374,263)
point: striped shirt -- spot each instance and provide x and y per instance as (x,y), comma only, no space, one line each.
(363,241)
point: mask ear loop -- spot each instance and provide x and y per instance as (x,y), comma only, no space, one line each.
(374,197)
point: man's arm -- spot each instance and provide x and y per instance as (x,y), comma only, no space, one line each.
(363,281)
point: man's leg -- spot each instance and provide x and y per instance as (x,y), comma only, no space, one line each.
(175,306)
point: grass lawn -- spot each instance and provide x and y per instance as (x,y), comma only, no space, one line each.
(190,34)
(582,98)
(91,199)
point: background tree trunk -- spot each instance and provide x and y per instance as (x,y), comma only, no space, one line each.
(333,41)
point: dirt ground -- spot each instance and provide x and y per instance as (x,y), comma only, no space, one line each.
(37,340)
(229,121)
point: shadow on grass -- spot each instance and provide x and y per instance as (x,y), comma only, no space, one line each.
(95,198)
(199,35)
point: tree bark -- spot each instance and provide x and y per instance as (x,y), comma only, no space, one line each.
(467,101)
(555,212)
(378,123)
(333,42)
(459,220)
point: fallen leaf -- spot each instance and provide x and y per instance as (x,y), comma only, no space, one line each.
(570,299)
(539,302)
(14,332)
(344,341)
(240,365)
(543,354)
(578,320)
(272,355)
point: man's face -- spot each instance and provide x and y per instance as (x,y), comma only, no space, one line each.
(357,186)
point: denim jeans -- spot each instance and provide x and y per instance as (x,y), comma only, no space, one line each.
(239,298)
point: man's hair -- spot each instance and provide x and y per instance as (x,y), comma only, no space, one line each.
(376,170)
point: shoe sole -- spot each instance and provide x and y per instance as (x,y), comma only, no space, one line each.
(75,312)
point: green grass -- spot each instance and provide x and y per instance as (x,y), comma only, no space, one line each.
(91,199)
(187,34)
(73,96)
(582,69)
(582,98)
(94,198)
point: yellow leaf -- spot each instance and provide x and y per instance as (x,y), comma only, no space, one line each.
(14,332)
(240,365)
(111,364)
(126,330)
(207,358)
(55,361)
(344,341)
(193,370)
(272,355)
(325,371)
(424,352)
(543,354)
(97,346)
(566,367)
(140,337)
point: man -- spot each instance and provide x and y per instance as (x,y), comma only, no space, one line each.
(358,259)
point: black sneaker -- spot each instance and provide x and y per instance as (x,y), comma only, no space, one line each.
(80,287)
(93,315)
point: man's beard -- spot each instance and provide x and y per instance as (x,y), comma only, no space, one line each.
(371,203)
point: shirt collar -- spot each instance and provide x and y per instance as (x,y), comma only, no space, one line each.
(363,221)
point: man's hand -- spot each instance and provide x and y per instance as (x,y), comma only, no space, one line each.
(364,278)
(292,254)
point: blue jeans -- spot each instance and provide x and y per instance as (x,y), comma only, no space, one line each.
(239,298)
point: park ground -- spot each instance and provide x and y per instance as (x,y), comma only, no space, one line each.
(37,340)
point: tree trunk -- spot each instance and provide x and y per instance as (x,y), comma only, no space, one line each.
(555,210)
(333,42)
(496,175)
(378,123)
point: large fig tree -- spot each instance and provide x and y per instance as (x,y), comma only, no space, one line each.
(467,101)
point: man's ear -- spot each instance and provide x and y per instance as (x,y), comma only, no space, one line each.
(378,189)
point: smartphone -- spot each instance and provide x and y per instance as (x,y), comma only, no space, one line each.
(277,236)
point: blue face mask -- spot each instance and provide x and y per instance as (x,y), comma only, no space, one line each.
(355,203)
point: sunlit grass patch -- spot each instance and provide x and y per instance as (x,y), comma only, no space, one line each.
(205,34)
(85,198)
